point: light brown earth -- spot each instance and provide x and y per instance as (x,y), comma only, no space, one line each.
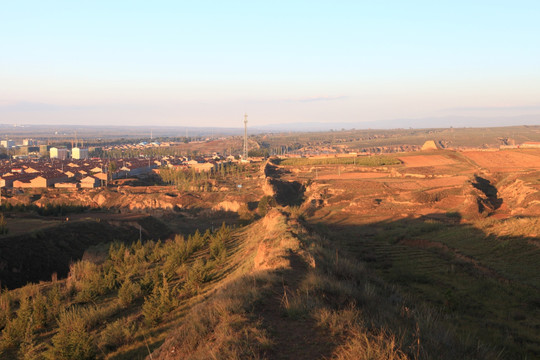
(505,161)
(354,175)
(424,184)
(425,160)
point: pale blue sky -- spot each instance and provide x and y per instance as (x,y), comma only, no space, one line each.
(206,62)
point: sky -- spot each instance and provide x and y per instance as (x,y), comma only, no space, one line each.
(206,63)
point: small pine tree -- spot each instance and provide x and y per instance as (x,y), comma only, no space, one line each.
(28,349)
(39,310)
(3,225)
(73,341)
(265,204)
(162,300)
(128,292)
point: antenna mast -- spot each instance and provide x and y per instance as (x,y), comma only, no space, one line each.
(245,155)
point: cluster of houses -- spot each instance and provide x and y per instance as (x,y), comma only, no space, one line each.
(95,172)
(199,163)
(139,146)
(71,174)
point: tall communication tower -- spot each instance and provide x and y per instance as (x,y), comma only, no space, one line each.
(245,155)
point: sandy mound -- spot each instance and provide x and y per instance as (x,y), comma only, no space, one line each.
(429,145)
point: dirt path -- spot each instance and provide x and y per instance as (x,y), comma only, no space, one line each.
(294,338)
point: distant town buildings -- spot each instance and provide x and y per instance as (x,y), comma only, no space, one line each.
(30,142)
(32,165)
(79,153)
(8,144)
(59,153)
(44,150)
(69,173)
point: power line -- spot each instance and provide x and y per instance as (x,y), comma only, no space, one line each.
(245,155)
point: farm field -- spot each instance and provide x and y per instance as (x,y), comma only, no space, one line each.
(505,161)
(353,175)
(430,237)
(425,160)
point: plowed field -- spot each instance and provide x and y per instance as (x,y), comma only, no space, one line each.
(425,160)
(505,160)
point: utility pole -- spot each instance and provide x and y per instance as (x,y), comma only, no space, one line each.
(245,155)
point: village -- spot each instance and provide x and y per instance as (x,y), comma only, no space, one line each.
(73,168)
(32,164)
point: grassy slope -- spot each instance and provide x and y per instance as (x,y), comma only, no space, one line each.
(123,308)
(36,255)
(307,299)
(481,275)
(271,290)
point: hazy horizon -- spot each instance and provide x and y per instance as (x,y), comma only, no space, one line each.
(206,63)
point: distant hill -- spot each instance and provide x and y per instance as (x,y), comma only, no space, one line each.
(434,122)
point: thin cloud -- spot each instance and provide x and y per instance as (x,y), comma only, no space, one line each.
(495,108)
(321,98)
(24,106)
(29,106)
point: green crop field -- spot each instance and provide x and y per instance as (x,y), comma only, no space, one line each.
(360,161)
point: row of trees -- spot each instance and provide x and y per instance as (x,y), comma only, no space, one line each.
(204,180)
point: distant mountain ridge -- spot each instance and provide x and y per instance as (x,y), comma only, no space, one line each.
(435,122)
(180,130)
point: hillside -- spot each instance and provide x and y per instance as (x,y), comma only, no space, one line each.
(230,294)
(430,255)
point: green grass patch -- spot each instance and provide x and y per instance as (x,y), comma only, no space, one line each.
(359,161)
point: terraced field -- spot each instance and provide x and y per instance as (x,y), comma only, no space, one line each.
(452,232)
(487,287)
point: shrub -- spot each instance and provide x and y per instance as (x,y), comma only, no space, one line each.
(16,327)
(73,341)
(128,292)
(90,281)
(218,250)
(3,225)
(265,204)
(29,350)
(162,300)
(13,334)
(6,303)
(39,310)
(54,301)
(178,251)
(198,274)
(117,333)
